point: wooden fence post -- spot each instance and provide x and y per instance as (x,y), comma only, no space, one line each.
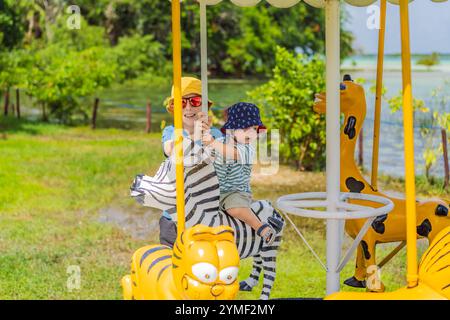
(361,149)
(94,113)
(44,113)
(148,127)
(445,153)
(6,102)
(18,103)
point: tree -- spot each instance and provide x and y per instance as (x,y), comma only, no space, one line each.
(120,19)
(241,41)
(74,66)
(287,105)
(430,60)
(12,26)
(13,66)
(137,55)
(247,47)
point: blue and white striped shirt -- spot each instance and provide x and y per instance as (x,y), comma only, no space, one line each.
(234,175)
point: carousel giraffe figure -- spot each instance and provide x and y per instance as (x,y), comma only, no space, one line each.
(432,215)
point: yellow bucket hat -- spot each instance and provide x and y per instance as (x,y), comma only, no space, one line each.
(189,85)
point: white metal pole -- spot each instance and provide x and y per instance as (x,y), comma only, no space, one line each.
(332,39)
(204,55)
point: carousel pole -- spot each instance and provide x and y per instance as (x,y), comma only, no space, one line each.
(178,120)
(334,234)
(411,237)
(204,55)
(378,96)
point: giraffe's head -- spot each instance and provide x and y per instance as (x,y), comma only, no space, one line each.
(206,263)
(353,100)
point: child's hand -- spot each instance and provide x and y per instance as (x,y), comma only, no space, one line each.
(203,117)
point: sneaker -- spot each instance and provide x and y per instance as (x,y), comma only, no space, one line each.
(268,236)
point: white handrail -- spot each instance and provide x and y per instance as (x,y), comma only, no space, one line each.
(296,203)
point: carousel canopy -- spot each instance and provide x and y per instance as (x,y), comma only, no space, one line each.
(290,3)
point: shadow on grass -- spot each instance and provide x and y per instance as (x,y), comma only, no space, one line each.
(14,125)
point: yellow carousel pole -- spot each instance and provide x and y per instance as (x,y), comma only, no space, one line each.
(378,96)
(178,120)
(411,237)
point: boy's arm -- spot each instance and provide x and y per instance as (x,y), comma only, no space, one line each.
(227,150)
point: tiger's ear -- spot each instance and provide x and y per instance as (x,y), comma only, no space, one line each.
(204,233)
(224,233)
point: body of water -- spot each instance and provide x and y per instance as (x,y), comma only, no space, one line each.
(393,63)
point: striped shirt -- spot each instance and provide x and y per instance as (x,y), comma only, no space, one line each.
(234,175)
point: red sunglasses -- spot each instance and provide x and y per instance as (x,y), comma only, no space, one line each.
(195,102)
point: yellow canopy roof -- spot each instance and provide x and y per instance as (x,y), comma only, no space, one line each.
(290,3)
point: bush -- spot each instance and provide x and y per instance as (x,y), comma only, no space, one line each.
(59,78)
(430,60)
(138,55)
(287,105)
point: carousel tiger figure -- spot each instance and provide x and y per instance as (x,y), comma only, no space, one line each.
(203,265)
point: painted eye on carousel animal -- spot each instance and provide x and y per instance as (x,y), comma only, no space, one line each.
(228,275)
(205,272)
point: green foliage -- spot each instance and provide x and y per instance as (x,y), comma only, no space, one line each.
(13,67)
(395,103)
(12,28)
(441,99)
(137,55)
(287,101)
(58,74)
(430,60)
(87,37)
(60,77)
(241,41)
(439,119)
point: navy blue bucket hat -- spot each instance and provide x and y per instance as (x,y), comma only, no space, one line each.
(243,115)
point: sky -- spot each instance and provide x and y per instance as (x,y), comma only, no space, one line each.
(429,23)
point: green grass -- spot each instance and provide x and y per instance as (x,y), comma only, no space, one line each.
(56,180)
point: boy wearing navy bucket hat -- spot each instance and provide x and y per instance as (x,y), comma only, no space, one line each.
(234,155)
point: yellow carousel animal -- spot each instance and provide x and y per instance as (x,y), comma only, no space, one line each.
(203,265)
(432,216)
(433,282)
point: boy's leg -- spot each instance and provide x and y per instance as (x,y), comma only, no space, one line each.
(246,215)
(237,205)
(167,232)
